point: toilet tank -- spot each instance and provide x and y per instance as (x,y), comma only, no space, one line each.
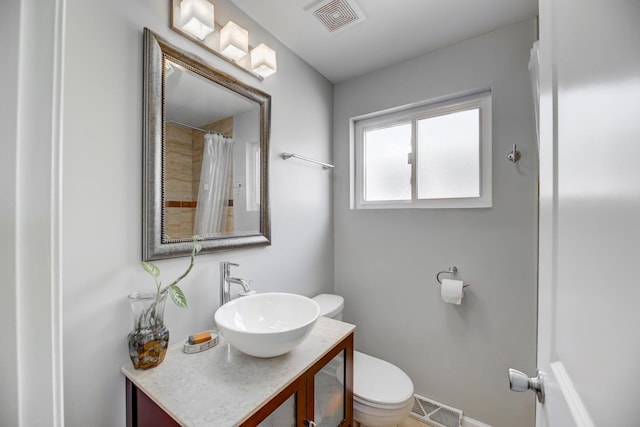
(330,305)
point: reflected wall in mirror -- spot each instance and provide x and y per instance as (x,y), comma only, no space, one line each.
(206,156)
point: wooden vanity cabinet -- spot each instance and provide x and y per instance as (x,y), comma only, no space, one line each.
(144,412)
(303,389)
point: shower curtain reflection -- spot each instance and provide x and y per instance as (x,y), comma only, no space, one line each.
(215,177)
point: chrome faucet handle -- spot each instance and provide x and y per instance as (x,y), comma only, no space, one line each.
(229,264)
(225,266)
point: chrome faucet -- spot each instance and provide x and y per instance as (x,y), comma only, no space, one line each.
(226,280)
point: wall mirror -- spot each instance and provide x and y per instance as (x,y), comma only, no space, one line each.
(206,151)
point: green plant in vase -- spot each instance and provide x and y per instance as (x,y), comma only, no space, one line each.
(149,339)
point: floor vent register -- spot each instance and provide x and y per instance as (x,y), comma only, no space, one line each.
(435,414)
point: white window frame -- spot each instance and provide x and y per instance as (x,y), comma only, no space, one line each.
(252,168)
(412,113)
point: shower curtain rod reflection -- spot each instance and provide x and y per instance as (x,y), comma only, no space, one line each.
(193,127)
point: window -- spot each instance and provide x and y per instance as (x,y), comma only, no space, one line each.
(253,176)
(433,156)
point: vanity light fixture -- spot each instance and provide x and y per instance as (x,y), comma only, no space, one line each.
(197,17)
(263,60)
(234,41)
(194,19)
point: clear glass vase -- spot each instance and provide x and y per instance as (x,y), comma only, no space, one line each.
(149,338)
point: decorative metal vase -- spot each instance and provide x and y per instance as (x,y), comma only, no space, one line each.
(149,338)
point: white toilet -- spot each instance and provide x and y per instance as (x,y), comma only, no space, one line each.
(382,392)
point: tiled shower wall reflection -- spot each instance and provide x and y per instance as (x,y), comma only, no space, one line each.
(183,162)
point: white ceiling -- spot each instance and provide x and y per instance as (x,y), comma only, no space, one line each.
(392,31)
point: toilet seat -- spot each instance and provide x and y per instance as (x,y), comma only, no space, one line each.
(378,383)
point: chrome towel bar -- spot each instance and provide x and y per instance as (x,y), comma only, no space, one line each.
(325,166)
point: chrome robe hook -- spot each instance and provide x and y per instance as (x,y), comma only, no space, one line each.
(514,154)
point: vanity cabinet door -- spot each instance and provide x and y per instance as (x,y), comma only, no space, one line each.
(329,398)
(284,410)
(317,396)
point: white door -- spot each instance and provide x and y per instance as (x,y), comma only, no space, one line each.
(589,263)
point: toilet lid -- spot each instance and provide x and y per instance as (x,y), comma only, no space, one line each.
(377,382)
(330,304)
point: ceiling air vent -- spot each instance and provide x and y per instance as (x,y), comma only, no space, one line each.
(338,14)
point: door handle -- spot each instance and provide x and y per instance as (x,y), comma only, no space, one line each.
(519,381)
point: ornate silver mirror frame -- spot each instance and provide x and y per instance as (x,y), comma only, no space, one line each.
(156,243)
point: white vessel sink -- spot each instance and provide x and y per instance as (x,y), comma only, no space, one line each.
(269,324)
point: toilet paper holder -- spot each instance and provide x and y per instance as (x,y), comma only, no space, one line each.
(452,270)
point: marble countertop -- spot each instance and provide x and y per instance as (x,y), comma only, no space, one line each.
(222,386)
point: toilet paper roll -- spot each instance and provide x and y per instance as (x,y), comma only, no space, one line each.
(452,291)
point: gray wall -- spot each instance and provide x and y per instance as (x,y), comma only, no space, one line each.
(9,28)
(101,243)
(386,260)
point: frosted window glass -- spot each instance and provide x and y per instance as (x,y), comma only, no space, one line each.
(448,150)
(387,173)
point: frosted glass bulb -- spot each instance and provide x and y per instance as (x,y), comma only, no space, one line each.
(263,60)
(197,17)
(234,41)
